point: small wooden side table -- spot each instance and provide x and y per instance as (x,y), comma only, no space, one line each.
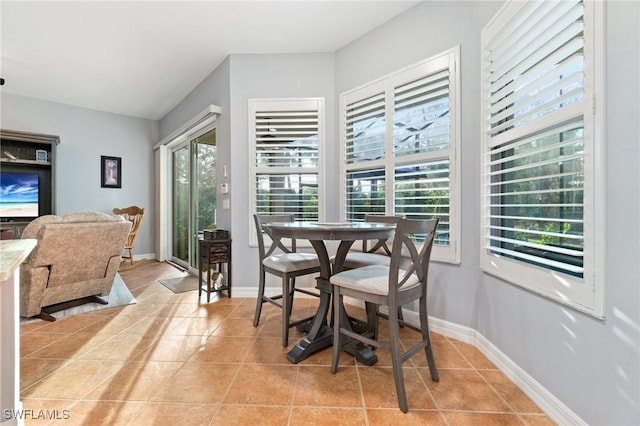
(218,253)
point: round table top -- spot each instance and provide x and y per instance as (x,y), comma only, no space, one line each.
(332,230)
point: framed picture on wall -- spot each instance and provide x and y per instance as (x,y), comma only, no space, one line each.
(111,172)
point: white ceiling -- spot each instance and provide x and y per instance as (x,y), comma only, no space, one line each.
(142,58)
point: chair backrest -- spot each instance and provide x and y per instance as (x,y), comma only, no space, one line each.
(381,246)
(405,247)
(133,214)
(276,242)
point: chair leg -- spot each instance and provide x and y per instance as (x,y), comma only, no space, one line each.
(396,362)
(335,354)
(286,309)
(292,291)
(259,300)
(424,328)
(131,256)
(372,319)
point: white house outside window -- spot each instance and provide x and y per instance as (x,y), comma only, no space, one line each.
(542,214)
(399,141)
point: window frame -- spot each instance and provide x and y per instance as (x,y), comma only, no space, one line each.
(284,104)
(386,84)
(586,294)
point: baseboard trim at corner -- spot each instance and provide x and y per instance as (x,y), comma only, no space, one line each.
(552,406)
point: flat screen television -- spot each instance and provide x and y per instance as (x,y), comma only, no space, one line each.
(19,195)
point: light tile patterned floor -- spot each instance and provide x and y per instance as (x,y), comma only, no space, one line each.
(169,360)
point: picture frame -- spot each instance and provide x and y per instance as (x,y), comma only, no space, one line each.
(110,172)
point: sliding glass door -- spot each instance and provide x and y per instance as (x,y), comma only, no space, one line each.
(193,195)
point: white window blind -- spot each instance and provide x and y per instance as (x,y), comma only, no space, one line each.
(540,216)
(366,128)
(286,138)
(422,191)
(364,193)
(399,138)
(422,115)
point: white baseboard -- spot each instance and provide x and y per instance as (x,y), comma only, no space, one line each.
(552,406)
(137,257)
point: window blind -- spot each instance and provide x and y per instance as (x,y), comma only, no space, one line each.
(365,129)
(421,191)
(536,183)
(542,198)
(286,139)
(364,194)
(421,115)
(538,68)
(286,145)
(537,200)
(399,139)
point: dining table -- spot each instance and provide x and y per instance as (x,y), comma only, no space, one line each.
(320,334)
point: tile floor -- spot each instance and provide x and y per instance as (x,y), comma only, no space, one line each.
(169,360)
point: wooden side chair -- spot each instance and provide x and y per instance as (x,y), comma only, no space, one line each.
(285,263)
(393,286)
(133,214)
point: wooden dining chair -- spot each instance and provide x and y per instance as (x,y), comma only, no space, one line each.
(392,286)
(286,263)
(133,214)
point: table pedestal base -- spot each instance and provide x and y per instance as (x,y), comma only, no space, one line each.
(307,346)
(321,337)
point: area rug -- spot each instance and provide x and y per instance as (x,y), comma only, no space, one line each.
(180,284)
(119,296)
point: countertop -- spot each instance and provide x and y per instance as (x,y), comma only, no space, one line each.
(12,254)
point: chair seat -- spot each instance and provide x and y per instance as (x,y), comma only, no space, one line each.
(357,259)
(289,262)
(371,279)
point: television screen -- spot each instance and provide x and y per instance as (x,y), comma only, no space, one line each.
(18,194)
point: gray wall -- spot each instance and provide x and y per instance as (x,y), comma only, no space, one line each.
(252,76)
(266,76)
(215,89)
(85,135)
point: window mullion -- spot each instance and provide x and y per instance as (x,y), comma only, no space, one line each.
(389,158)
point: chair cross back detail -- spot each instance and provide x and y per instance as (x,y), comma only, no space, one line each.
(419,260)
(276,242)
(380,244)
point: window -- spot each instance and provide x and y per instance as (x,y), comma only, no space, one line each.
(542,162)
(286,141)
(399,143)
